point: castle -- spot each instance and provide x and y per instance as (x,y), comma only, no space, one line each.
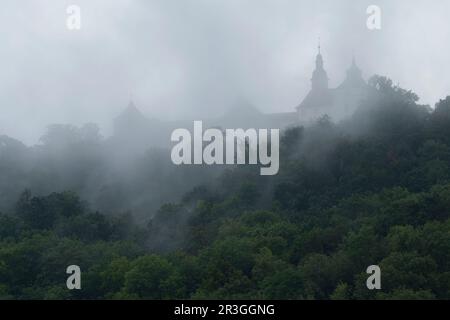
(132,127)
(338,103)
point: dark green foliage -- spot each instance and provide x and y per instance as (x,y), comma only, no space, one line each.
(374,190)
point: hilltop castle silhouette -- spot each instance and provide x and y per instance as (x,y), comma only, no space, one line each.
(338,103)
(132,128)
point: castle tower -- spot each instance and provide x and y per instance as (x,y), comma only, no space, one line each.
(354,77)
(352,91)
(319,79)
(131,119)
(319,100)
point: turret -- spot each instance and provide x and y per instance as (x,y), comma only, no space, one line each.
(320,78)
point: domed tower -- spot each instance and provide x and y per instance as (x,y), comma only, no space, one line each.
(319,100)
(320,78)
(350,94)
(354,77)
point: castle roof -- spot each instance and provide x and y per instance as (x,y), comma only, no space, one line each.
(354,77)
(338,101)
(130,113)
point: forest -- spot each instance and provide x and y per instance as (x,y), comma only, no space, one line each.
(370,190)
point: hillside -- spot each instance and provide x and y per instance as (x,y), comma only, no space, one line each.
(372,190)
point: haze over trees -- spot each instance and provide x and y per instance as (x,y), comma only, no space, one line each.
(374,189)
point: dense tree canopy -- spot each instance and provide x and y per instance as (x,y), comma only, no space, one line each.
(374,190)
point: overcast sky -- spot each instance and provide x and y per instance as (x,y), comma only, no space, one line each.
(185,58)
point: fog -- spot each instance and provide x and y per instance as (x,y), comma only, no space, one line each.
(191,59)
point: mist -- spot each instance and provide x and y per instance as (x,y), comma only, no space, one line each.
(99,127)
(190,60)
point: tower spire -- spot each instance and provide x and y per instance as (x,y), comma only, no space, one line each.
(320,78)
(354,74)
